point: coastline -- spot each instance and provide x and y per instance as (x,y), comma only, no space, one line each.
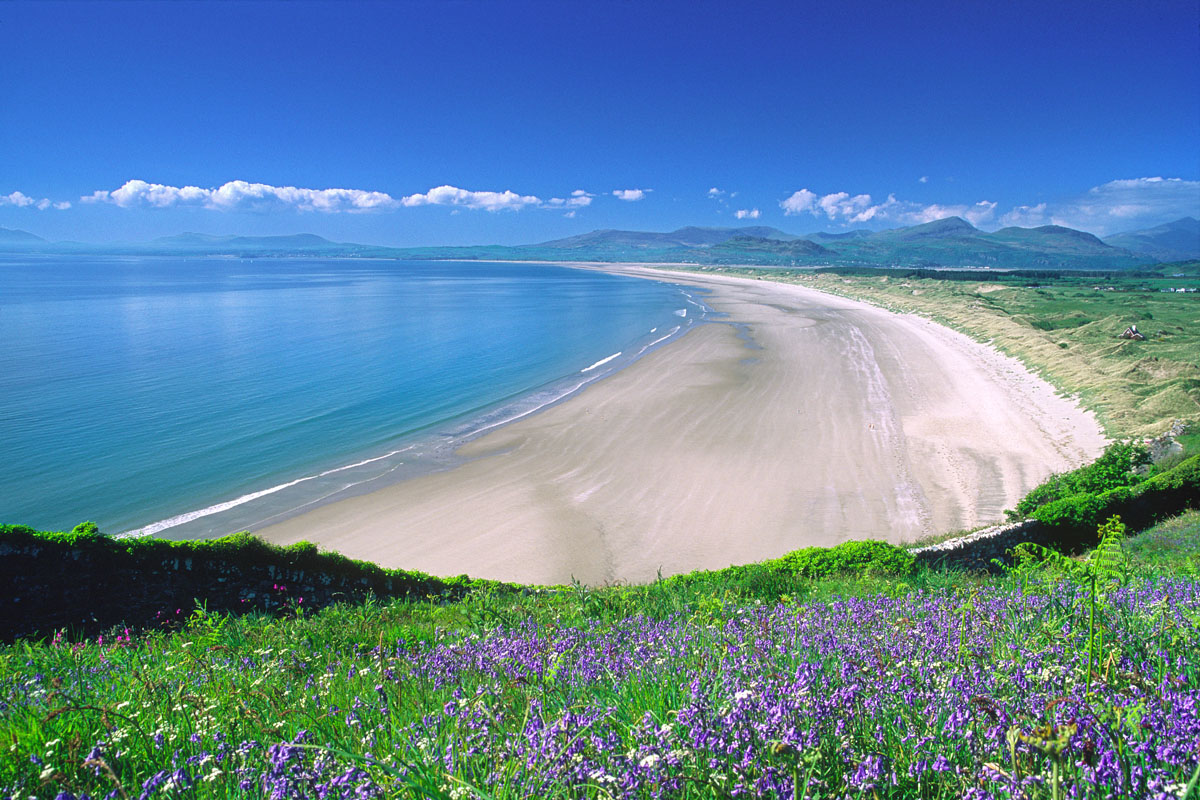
(396,442)
(801,419)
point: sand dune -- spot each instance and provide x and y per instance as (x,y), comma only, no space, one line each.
(803,419)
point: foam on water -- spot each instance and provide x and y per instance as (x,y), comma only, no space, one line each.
(181,519)
(601,362)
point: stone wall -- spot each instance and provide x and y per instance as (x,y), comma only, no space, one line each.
(91,586)
(977,551)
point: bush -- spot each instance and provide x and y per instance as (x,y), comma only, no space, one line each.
(1071,520)
(847,558)
(1112,470)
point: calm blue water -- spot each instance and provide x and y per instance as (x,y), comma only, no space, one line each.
(136,391)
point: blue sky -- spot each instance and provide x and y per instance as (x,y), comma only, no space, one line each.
(488,122)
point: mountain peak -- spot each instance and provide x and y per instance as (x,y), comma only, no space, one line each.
(13,236)
(945,228)
(1171,241)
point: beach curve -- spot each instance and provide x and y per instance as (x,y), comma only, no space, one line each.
(801,419)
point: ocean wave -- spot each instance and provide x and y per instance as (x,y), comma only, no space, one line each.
(536,408)
(670,333)
(171,522)
(600,363)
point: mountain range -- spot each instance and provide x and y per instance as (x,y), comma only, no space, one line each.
(1174,241)
(949,242)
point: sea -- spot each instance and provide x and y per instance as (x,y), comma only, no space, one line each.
(195,397)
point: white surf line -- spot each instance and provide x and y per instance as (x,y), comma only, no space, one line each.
(319,500)
(572,390)
(536,408)
(660,339)
(600,363)
(172,522)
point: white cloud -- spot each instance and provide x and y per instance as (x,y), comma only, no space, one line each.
(1114,207)
(978,214)
(844,208)
(743,213)
(1123,205)
(1027,216)
(842,204)
(16,199)
(715,192)
(486,201)
(242,195)
(923,179)
(799,202)
(630,195)
(22,200)
(578,199)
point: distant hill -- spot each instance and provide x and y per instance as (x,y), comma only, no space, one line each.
(949,242)
(833,237)
(13,236)
(1174,241)
(947,228)
(684,237)
(204,241)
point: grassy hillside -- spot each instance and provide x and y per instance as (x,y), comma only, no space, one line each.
(750,682)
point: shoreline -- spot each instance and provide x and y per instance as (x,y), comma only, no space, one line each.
(430,449)
(801,418)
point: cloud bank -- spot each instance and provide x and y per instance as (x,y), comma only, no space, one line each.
(22,200)
(242,196)
(246,196)
(1109,208)
(1116,206)
(845,208)
(486,201)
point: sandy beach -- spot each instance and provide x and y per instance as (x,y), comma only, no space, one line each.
(800,419)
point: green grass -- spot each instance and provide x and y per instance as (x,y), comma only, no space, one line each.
(1173,545)
(435,698)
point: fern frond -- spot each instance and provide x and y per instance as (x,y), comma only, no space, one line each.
(1108,561)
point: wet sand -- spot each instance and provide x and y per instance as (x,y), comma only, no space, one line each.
(802,419)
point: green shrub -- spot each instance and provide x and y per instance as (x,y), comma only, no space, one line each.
(1114,469)
(847,558)
(1071,519)
(1184,477)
